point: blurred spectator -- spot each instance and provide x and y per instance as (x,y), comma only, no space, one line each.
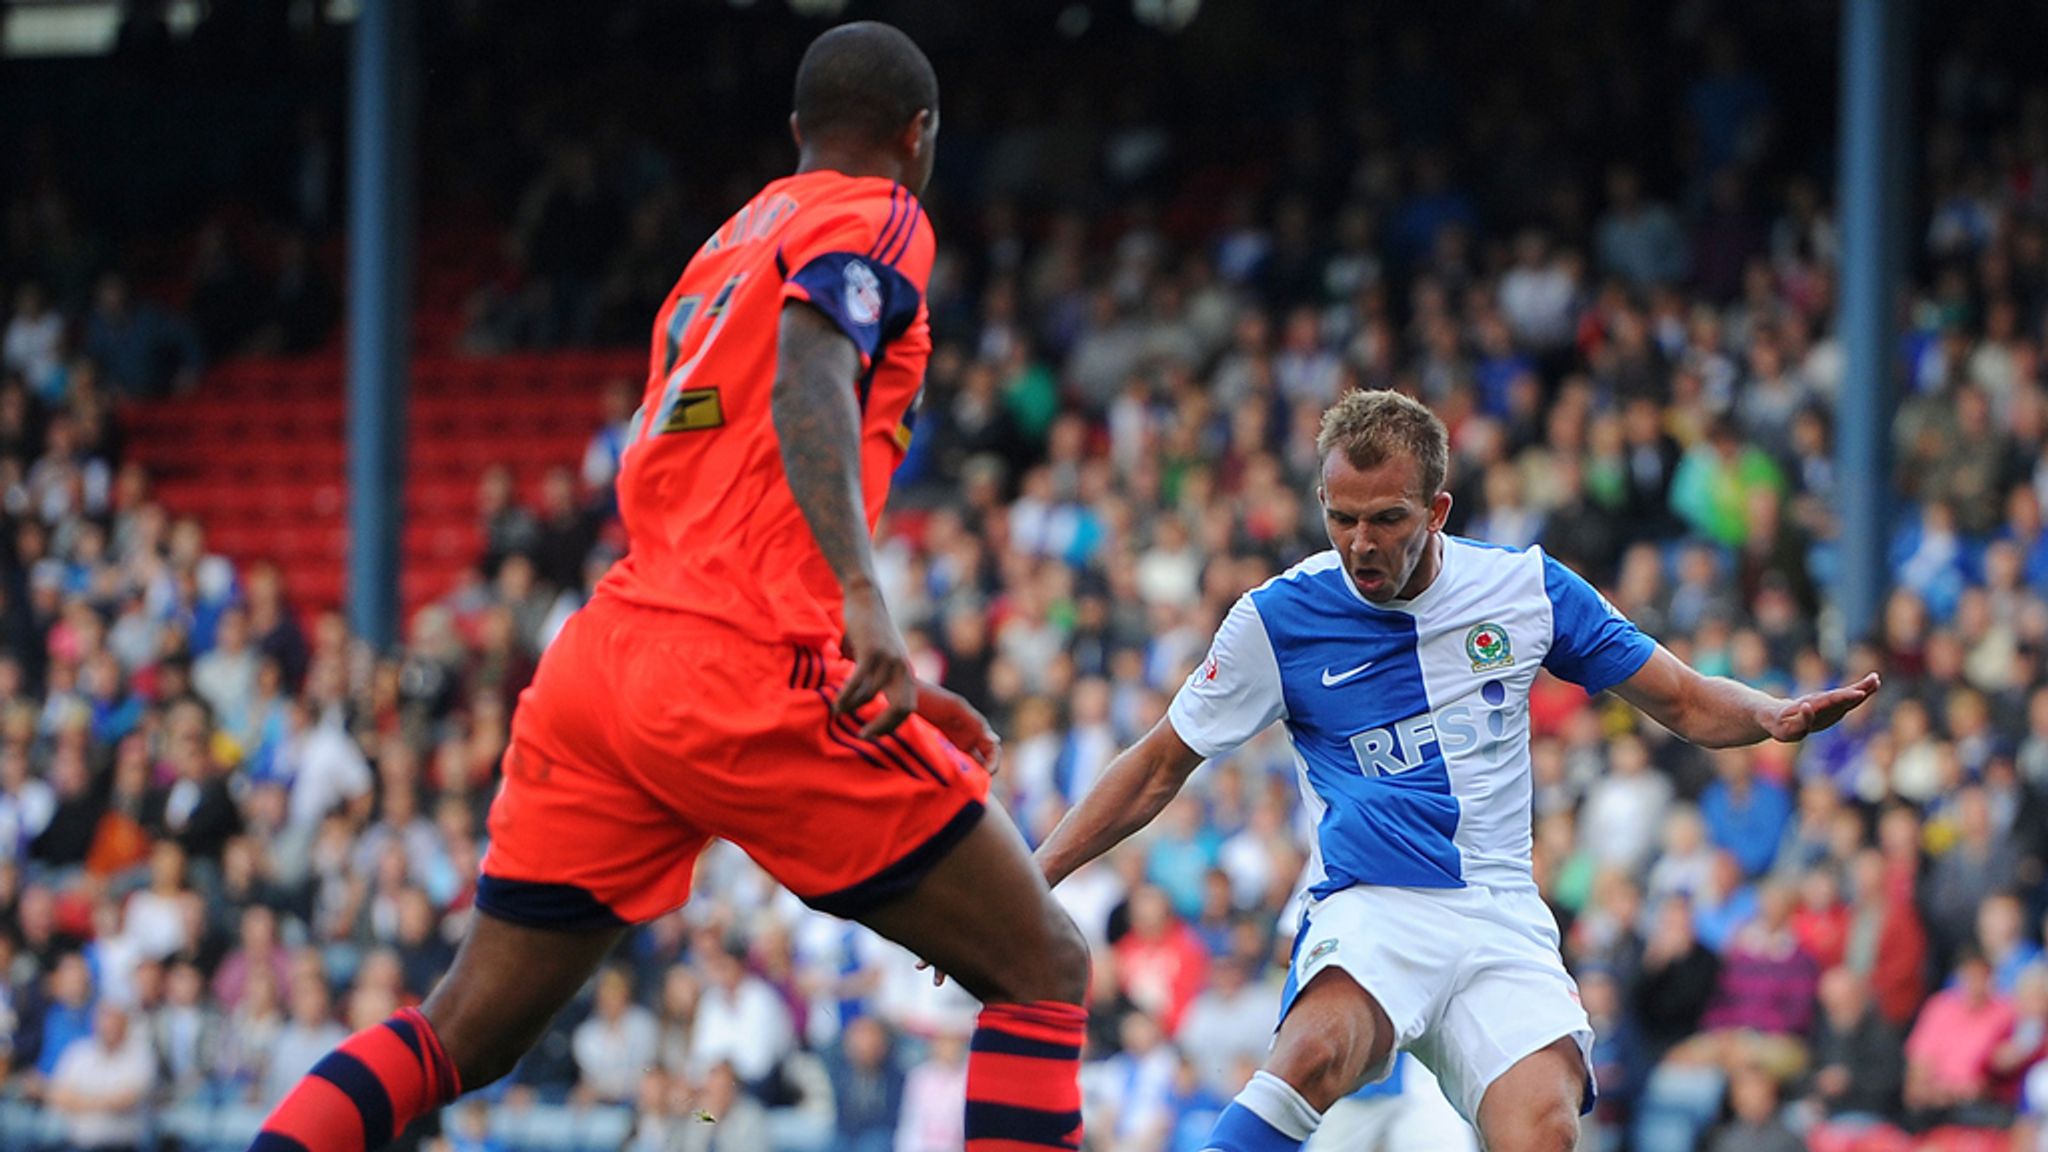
(2002,938)
(608,443)
(1679,976)
(1948,1052)
(1980,864)
(616,1043)
(1746,815)
(310,1032)
(1625,808)
(727,1119)
(102,1082)
(33,343)
(1858,1059)
(569,222)
(2024,1046)
(1161,961)
(1133,1090)
(1226,1024)
(67,1013)
(223,302)
(1639,240)
(867,1087)
(935,1098)
(143,350)
(740,1020)
(1764,999)
(186,1033)
(303,303)
(1753,1097)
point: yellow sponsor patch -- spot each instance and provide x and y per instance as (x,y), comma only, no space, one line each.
(696,410)
(903,437)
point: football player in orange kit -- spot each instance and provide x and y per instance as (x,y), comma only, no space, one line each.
(738,675)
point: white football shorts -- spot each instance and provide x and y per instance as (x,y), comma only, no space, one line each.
(1470,978)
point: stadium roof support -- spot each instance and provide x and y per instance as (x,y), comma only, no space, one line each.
(383,97)
(1875,100)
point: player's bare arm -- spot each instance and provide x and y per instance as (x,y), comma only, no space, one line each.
(1716,712)
(1131,793)
(817,421)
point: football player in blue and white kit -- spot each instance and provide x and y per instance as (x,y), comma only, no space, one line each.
(1400,662)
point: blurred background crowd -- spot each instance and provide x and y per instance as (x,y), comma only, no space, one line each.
(1596,238)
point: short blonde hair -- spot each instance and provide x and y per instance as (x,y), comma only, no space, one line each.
(1371,427)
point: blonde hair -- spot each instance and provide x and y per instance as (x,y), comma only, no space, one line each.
(1371,428)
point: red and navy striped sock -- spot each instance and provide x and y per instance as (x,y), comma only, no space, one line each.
(1023,1089)
(364,1093)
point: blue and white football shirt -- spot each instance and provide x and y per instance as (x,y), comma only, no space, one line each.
(1409,720)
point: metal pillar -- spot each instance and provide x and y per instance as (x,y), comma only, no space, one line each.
(381,211)
(1875,97)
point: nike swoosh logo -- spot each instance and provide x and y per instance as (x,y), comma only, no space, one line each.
(1332,679)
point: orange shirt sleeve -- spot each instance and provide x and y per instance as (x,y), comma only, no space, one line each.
(863,264)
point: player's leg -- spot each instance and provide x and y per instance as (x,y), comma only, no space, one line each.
(577,852)
(984,916)
(1534,1105)
(1334,1038)
(1512,1048)
(507,983)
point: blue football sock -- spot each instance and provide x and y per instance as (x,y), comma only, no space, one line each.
(1268,1116)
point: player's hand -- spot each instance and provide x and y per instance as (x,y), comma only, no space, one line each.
(1802,717)
(960,723)
(880,664)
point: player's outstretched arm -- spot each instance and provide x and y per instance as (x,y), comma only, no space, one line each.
(1716,712)
(817,421)
(1131,792)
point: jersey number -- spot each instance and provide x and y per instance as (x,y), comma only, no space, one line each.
(681,407)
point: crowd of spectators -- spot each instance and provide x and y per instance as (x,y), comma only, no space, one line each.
(230,833)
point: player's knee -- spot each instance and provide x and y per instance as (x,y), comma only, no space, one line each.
(1558,1129)
(1069,963)
(1324,1065)
(484,1046)
(1056,969)
(1553,1127)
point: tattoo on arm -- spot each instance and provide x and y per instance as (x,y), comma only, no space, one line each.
(817,421)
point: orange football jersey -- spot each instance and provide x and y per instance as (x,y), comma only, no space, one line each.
(714,528)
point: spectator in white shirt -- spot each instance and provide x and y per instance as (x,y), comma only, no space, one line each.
(226,676)
(309,1035)
(101,1083)
(935,1099)
(26,804)
(1625,808)
(155,916)
(1228,1022)
(1539,295)
(34,343)
(324,766)
(616,1044)
(740,1021)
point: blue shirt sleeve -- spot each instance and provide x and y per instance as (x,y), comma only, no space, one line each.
(1591,644)
(870,301)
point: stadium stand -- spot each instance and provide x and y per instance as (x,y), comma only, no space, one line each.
(229,830)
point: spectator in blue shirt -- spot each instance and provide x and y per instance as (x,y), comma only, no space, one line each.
(867,1087)
(68,1016)
(143,350)
(1745,814)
